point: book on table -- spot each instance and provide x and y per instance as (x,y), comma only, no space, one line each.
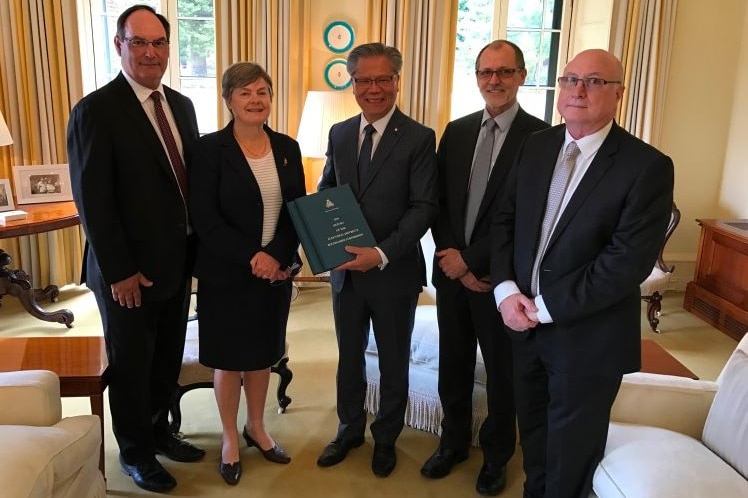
(326,222)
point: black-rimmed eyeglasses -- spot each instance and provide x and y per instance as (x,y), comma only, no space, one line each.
(571,82)
(502,73)
(141,43)
(381,81)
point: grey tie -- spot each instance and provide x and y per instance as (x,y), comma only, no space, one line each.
(479,176)
(556,192)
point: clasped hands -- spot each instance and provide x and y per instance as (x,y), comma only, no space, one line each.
(266,267)
(455,268)
(519,312)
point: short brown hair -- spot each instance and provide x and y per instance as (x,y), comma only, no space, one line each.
(241,74)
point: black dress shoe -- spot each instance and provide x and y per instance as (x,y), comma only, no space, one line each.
(231,472)
(441,462)
(149,475)
(178,450)
(336,451)
(491,479)
(276,454)
(384,459)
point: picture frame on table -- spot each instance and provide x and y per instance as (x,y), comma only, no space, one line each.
(42,183)
(6,196)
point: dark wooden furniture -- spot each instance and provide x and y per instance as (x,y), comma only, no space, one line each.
(79,362)
(655,359)
(718,293)
(40,218)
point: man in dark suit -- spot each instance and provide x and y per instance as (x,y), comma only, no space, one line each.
(581,229)
(388,160)
(471,183)
(125,148)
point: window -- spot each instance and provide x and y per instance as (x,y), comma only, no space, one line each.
(192,59)
(534,25)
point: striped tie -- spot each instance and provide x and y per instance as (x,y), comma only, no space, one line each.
(171,145)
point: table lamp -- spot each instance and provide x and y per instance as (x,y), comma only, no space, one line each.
(322,109)
(6,139)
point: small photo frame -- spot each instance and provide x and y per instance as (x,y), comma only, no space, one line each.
(6,196)
(42,183)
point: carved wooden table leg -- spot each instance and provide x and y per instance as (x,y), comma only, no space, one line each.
(16,283)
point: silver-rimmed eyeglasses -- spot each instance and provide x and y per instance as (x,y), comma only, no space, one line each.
(571,82)
(381,81)
(502,73)
(135,42)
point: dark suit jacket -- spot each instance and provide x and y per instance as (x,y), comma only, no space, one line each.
(399,200)
(227,211)
(454,160)
(603,247)
(124,188)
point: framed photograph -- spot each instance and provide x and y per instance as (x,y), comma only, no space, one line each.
(43,183)
(6,196)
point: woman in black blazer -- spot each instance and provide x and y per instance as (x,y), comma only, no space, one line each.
(240,179)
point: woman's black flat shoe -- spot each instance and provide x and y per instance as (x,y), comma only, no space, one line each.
(276,454)
(231,472)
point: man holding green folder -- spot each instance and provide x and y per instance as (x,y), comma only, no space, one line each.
(389,161)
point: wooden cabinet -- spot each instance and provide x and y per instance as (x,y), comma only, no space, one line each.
(719,292)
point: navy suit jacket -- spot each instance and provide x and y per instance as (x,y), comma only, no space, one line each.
(227,211)
(399,199)
(604,245)
(126,193)
(455,160)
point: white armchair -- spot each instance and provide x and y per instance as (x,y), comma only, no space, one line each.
(672,437)
(43,454)
(656,283)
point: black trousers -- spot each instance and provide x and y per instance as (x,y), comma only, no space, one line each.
(392,321)
(468,318)
(563,420)
(144,347)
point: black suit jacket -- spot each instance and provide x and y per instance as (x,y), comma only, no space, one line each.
(227,211)
(399,200)
(125,190)
(604,245)
(454,160)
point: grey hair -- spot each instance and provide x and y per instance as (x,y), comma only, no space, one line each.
(374,50)
(519,57)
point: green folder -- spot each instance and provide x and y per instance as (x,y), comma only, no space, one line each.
(326,222)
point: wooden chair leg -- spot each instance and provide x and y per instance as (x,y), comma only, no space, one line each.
(654,306)
(286,375)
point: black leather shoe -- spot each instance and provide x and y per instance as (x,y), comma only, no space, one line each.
(384,459)
(178,450)
(335,452)
(231,472)
(491,479)
(149,475)
(276,454)
(441,462)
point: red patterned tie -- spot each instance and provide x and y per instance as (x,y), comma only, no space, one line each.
(171,145)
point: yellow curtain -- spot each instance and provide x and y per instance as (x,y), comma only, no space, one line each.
(645,48)
(272,33)
(425,32)
(39,78)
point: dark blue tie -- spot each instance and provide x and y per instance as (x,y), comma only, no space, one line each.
(364,155)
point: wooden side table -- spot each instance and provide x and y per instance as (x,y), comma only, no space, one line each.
(41,218)
(79,362)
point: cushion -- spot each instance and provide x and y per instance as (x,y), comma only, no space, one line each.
(656,281)
(648,462)
(726,428)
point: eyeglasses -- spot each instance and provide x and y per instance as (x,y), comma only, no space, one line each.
(569,82)
(381,81)
(502,73)
(141,43)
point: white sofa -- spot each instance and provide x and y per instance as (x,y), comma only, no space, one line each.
(672,437)
(43,455)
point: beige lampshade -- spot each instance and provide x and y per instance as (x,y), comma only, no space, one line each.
(5,138)
(322,109)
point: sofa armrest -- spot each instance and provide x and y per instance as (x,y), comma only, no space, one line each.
(665,401)
(30,397)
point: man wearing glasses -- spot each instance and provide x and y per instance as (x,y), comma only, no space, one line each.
(388,160)
(126,144)
(585,218)
(474,156)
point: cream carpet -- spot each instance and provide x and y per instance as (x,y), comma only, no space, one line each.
(310,421)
